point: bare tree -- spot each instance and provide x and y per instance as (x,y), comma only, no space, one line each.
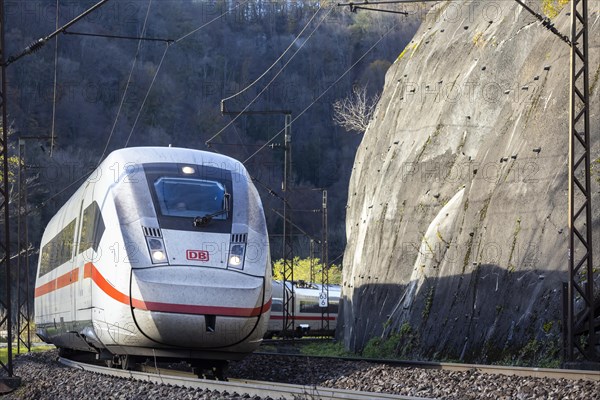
(354,112)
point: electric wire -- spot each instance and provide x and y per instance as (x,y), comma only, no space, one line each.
(323,93)
(45,202)
(211,21)
(163,58)
(271,81)
(244,146)
(278,59)
(147,94)
(38,44)
(135,58)
(144,38)
(55,80)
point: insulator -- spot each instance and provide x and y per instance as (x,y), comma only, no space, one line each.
(35,46)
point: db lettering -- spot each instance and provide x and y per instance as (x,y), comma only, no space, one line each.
(197,255)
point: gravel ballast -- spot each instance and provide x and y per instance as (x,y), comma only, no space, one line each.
(44,378)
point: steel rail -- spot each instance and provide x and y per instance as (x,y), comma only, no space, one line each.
(242,386)
(534,372)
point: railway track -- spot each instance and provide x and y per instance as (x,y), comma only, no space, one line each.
(552,373)
(240,386)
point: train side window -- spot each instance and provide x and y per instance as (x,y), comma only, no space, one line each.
(309,307)
(277,306)
(58,250)
(313,307)
(92,228)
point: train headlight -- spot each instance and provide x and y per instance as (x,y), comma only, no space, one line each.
(237,251)
(158,255)
(156,247)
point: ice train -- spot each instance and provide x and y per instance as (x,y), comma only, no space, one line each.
(314,311)
(162,252)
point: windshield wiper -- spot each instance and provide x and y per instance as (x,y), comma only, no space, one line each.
(205,220)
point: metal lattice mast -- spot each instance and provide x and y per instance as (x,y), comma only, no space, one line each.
(325,265)
(312,278)
(288,247)
(581,275)
(5,301)
(23,310)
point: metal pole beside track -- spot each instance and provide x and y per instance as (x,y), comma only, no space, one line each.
(581,329)
(23,282)
(288,246)
(9,382)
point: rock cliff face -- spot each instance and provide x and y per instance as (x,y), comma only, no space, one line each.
(457,212)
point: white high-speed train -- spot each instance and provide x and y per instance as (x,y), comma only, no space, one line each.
(309,314)
(162,252)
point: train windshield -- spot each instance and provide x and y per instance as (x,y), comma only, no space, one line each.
(185,197)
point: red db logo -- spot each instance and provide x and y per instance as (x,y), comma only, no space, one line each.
(197,255)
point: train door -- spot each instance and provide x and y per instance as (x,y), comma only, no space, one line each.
(84,257)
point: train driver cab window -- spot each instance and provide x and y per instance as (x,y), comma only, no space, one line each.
(185,197)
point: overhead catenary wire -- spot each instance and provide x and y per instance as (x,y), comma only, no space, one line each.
(278,59)
(40,43)
(211,21)
(546,22)
(147,94)
(144,38)
(133,64)
(163,58)
(324,92)
(233,120)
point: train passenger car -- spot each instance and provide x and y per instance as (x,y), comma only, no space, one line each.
(162,252)
(308,315)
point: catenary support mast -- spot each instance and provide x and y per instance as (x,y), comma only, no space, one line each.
(5,270)
(581,323)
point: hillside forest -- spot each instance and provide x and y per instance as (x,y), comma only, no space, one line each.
(93,94)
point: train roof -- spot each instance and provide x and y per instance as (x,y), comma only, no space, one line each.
(121,159)
(143,155)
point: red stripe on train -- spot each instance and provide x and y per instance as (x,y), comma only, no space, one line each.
(90,271)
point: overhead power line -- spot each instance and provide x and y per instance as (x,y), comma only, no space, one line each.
(546,22)
(239,113)
(147,39)
(211,21)
(274,62)
(135,58)
(358,6)
(324,92)
(35,46)
(137,117)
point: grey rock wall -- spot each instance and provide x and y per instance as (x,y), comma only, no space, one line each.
(457,210)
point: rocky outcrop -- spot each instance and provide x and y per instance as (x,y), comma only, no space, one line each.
(457,211)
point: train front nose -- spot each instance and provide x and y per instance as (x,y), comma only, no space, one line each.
(198,308)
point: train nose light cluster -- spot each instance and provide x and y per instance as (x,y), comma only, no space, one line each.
(157,250)
(236,255)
